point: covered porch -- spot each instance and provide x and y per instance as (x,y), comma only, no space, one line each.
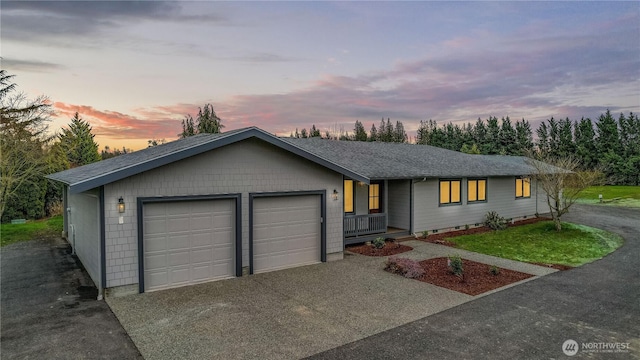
(382,208)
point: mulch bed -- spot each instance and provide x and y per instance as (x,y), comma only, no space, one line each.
(477,278)
(390,248)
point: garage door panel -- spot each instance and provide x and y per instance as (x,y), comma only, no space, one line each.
(188,242)
(286,232)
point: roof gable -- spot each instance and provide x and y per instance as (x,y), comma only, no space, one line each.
(107,171)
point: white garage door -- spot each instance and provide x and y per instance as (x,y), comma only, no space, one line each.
(286,232)
(188,242)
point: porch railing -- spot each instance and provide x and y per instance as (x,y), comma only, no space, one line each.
(356,225)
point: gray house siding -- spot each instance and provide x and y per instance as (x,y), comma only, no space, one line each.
(362,199)
(84,230)
(244,167)
(399,203)
(429,215)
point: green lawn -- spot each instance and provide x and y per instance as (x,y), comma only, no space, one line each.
(11,233)
(616,195)
(541,243)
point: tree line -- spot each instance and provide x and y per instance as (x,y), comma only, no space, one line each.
(28,152)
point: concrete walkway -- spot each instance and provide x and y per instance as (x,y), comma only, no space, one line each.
(289,314)
(592,304)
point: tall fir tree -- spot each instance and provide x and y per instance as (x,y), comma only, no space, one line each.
(507,137)
(78,143)
(524,138)
(359,133)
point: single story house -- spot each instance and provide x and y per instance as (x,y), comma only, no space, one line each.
(217,206)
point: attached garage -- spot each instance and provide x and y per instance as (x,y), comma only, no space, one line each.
(287,230)
(186,242)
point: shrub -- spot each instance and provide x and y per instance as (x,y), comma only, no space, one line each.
(494,270)
(466,227)
(494,221)
(425,233)
(406,267)
(378,242)
(455,265)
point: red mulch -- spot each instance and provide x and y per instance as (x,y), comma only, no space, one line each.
(477,278)
(390,248)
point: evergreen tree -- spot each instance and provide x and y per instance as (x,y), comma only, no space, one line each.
(314,132)
(524,138)
(208,121)
(400,136)
(78,143)
(543,139)
(607,134)
(359,133)
(188,127)
(584,136)
(492,144)
(480,135)
(373,134)
(303,134)
(566,144)
(508,137)
(422,134)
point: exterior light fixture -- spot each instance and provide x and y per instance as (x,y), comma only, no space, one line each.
(120,205)
(335,195)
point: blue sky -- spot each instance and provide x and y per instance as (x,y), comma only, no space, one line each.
(133,70)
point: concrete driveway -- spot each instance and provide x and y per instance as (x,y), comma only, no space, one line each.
(597,303)
(288,314)
(49,307)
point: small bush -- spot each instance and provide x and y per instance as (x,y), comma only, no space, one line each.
(406,267)
(494,221)
(425,233)
(494,270)
(455,265)
(378,242)
(466,227)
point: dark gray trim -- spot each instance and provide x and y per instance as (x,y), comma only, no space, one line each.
(439,192)
(411,212)
(353,195)
(323,214)
(515,183)
(215,143)
(486,190)
(141,201)
(103,244)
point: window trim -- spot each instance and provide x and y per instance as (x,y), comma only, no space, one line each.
(380,186)
(477,180)
(353,197)
(522,179)
(450,203)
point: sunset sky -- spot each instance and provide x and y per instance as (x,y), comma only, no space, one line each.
(135,69)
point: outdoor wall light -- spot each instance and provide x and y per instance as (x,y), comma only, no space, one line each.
(120,205)
(335,195)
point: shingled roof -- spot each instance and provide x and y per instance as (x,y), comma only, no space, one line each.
(362,161)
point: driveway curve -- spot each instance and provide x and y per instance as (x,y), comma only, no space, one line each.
(594,304)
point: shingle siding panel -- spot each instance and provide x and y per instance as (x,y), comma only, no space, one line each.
(248,166)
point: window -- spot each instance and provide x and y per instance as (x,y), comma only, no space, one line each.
(348,196)
(476,190)
(374,198)
(523,187)
(449,192)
